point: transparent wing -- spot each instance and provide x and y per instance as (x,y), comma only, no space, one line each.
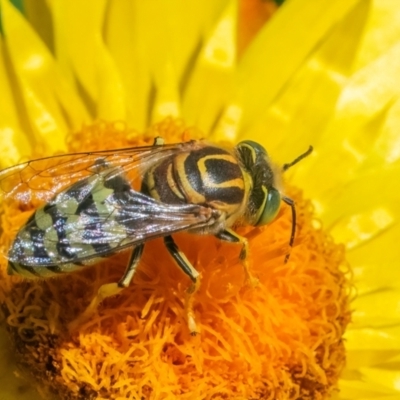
(41,179)
(97,216)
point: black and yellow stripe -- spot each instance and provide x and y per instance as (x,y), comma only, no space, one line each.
(208,176)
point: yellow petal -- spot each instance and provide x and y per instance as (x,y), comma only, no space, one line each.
(298,26)
(301,109)
(126,40)
(390,379)
(370,275)
(42,86)
(382,339)
(37,12)
(210,84)
(359,123)
(371,346)
(154,23)
(377,309)
(357,390)
(84,48)
(381,32)
(13,144)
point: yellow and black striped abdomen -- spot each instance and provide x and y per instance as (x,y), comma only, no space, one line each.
(209,175)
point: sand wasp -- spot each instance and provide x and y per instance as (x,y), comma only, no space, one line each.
(92,209)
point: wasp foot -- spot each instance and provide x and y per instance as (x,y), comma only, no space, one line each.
(106,290)
(191,321)
(250,280)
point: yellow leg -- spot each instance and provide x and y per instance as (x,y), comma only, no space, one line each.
(189,307)
(228,235)
(107,290)
(110,289)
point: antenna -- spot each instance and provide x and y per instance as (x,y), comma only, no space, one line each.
(299,158)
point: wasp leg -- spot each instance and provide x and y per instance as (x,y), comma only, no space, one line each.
(131,268)
(231,236)
(111,289)
(194,275)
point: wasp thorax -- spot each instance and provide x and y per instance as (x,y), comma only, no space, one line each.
(264,199)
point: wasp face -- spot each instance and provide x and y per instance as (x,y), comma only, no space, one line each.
(264,199)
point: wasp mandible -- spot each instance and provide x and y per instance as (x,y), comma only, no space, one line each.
(91,208)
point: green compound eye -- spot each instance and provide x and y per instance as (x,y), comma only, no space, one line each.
(251,152)
(270,207)
(254,145)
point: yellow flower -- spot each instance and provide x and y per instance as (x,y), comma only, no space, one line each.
(320,72)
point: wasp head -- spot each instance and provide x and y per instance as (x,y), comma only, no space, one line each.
(264,199)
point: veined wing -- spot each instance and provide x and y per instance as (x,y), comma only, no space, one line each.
(42,179)
(96,217)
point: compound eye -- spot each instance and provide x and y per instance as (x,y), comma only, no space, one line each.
(251,152)
(270,207)
(253,145)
